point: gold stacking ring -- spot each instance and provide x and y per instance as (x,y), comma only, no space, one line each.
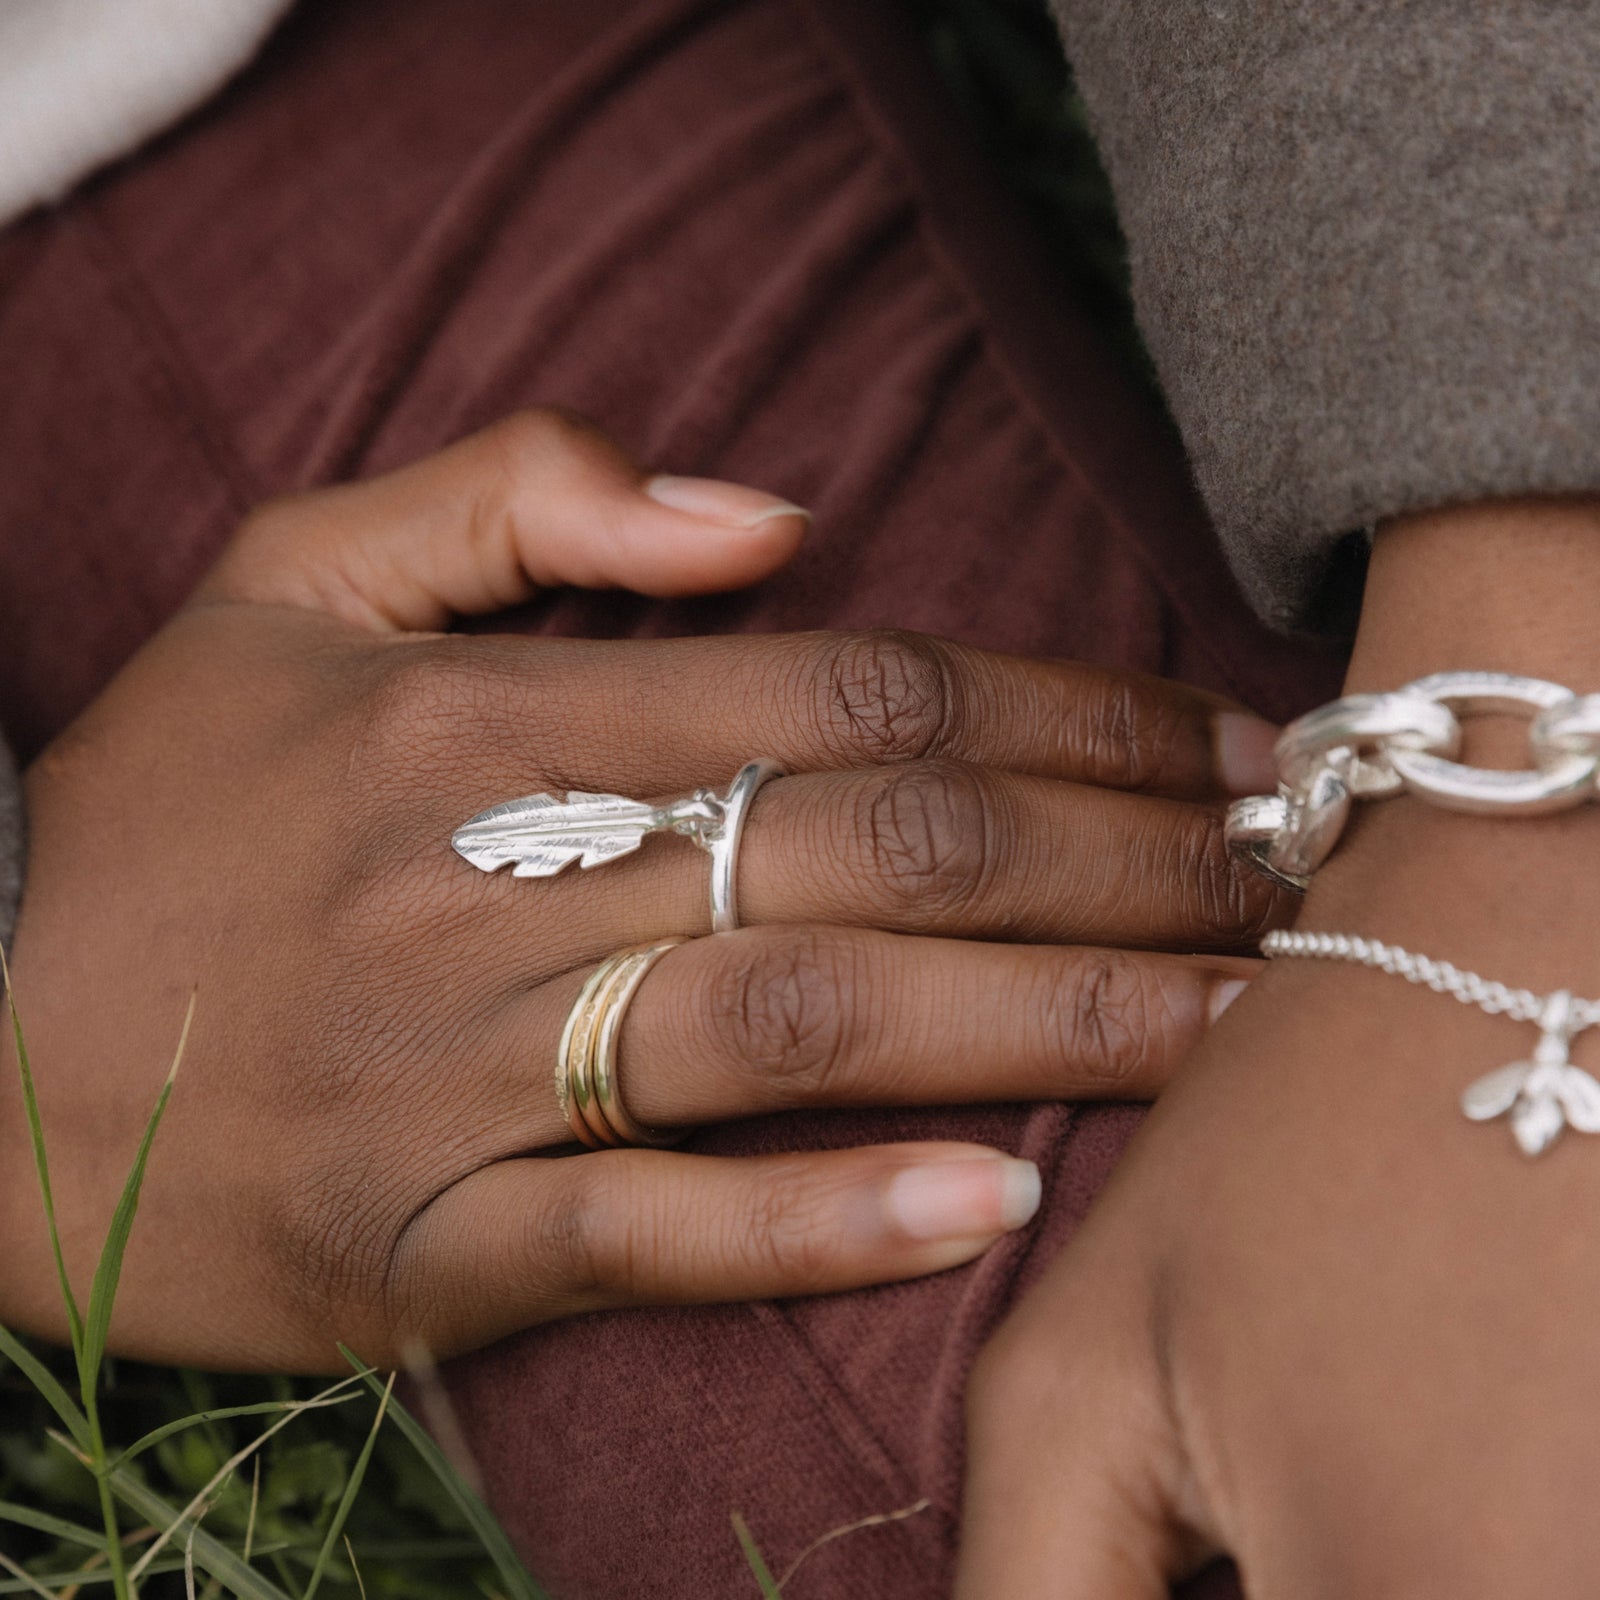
(586,1060)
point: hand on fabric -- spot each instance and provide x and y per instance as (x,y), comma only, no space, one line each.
(1319,1320)
(262,804)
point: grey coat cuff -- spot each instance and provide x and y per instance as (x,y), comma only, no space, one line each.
(1363,250)
(11,845)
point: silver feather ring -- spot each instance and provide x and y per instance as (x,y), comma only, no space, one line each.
(539,836)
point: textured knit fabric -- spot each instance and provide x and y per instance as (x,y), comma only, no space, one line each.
(746,236)
(83,81)
(1363,236)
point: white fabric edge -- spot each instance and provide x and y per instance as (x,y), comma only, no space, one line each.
(85,81)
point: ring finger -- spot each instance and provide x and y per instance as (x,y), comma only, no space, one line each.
(771,1019)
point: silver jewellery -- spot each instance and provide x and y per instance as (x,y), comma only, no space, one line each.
(1368,746)
(540,835)
(1544,1094)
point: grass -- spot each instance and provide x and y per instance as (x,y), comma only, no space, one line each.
(219,1500)
(228,1490)
(267,1487)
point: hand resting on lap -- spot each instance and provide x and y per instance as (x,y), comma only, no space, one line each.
(959,895)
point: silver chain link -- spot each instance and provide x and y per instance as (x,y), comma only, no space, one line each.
(1368,746)
(1443,977)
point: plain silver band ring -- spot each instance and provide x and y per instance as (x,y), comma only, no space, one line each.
(724,844)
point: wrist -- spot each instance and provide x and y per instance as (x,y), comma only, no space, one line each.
(1511,587)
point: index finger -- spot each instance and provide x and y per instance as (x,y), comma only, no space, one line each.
(684,711)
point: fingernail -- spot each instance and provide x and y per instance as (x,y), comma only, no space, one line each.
(1243,747)
(731,504)
(1224,994)
(972,1199)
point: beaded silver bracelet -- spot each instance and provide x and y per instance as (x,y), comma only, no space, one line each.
(1543,1094)
(1368,746)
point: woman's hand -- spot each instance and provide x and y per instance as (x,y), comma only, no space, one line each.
(262,804)
(1319,1320)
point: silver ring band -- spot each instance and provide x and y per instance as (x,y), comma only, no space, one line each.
(724,842)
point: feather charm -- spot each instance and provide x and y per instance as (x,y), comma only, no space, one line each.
(541,835)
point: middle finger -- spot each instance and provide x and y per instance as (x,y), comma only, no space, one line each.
(940,847)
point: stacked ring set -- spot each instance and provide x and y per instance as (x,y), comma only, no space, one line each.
(539,836)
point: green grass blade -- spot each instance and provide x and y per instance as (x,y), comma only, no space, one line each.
(351,1489)
(46,1382)
(415,1551)
(196,1508)
(355,1567)
(41,1161)
(43,1522)
(752,1554)
(30,1585)
(210,1553)
(516,1577)
(59,1583)
(103,1294)
(260,1409)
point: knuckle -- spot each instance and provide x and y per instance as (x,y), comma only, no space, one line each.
(265,545)
(275,520)
(1128,732)
(929,835)
(777,1009)
(1104,1022)
(1231,903)
(536,434)
(790,1233)
(425,698)
(587,1241)
(518,464)
(573,1249)
(885,696)
(333,1237)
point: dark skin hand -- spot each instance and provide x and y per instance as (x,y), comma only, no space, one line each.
(358,1145)
(1319,1320)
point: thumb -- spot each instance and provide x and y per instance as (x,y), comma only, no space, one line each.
(1069,1464)
(540,499)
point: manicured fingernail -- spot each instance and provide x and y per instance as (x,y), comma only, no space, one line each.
(972,1199)
(1243,746)
(731,504)
(1224,994)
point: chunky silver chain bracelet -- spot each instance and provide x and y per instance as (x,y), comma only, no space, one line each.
(1368,746)
(1543,1094)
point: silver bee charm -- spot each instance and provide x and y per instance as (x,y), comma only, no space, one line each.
(1543,1095)
(540,835)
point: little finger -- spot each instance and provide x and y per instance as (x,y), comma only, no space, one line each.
(528,1241)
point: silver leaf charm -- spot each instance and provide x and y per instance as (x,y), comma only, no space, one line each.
(541,835)
(1536,1120)
(1543,1095)
(1495,1093)
(1580,1099)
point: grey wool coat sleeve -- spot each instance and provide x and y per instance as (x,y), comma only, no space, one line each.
(1365,243)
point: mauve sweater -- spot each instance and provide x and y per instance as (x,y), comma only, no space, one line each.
(1362,233)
